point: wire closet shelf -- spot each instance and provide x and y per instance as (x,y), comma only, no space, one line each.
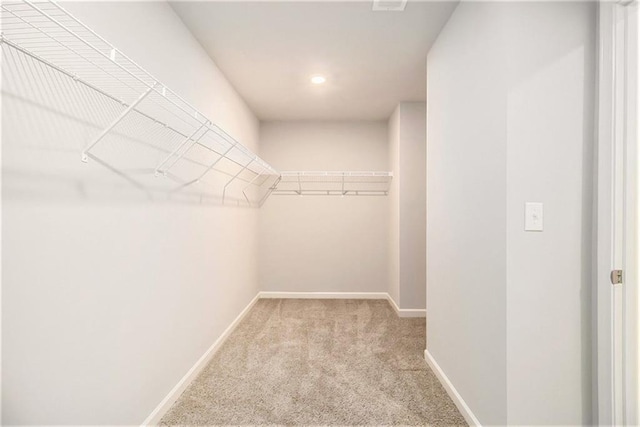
(135,126)
(333,183)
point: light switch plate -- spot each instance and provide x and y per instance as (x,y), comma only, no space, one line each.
(533,216)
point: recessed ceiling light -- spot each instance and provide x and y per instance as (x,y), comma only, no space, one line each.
(318,79)
(389,5)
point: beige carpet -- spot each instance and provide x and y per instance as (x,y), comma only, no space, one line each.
(318,362)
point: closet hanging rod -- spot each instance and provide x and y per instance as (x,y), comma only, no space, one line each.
(84,82)
(97,89)
(118,115)
(138,127)
(114,53)
(334,183)
(139,74)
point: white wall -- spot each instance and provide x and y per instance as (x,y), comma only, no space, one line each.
(394,205)
(510,119)
(550,132)
(324,243)
(407,201)
(466,207)
(413,205)
(107,304)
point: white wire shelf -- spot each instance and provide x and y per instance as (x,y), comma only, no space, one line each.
(333,183)
(123,118)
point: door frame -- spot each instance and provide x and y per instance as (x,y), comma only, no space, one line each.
(616,358)
(631,295)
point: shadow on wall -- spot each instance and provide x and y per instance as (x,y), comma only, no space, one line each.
(155,153)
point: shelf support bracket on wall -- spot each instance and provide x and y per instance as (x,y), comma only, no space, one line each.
(174,152)
(116,121)
(114,107)
(244,190)
(271,190)
(224,190)
(202,175)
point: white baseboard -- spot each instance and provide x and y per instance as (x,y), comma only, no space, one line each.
(451,391)
(324,295)
(401,312)
(175,393)
(406,312)
(166,403)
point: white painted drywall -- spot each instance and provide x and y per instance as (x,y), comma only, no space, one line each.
(413,205)
(550,131)
(107,304)
(407,203)
(466,207)
(394,206)
(510,119)
(371,60)
(324,243)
